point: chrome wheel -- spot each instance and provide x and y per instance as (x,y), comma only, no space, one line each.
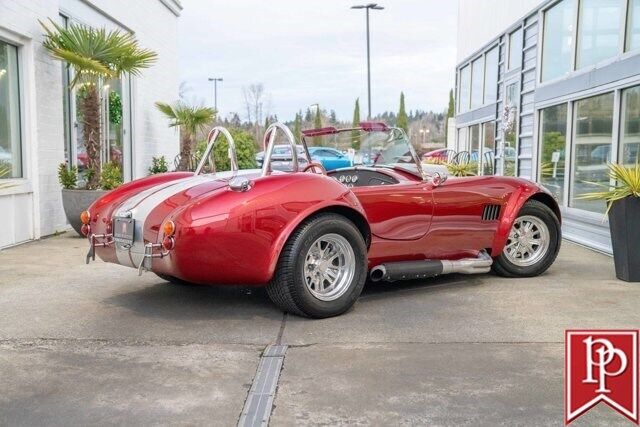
(528,241)
(329,267)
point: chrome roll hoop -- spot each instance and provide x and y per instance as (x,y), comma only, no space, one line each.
(269,140)
(211,141)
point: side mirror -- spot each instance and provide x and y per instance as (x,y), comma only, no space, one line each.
(438,179)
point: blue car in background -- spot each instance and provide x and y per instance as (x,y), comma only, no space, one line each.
(330,158)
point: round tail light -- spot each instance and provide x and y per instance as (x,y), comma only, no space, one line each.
(169,227)
(168,243)
(85,217)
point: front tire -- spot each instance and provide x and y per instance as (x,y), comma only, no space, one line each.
(533,243)
(322,268)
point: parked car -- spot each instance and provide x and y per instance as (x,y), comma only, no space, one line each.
(441,155)
(281,158)
(312,236)
(330,158)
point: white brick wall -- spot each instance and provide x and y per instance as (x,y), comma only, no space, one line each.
(155,26)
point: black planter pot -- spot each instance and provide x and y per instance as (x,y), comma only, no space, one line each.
(76,201)
(624,222)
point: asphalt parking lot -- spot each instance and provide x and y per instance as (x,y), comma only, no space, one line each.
(97,344)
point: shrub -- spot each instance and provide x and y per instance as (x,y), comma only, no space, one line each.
(468,169)
(158,165)
(111,176)
(68,176)
(245,150)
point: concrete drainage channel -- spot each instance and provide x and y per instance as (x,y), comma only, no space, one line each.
(257,408)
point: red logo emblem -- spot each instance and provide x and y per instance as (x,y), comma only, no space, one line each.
(601,366)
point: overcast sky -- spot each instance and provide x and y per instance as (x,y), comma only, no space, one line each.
(314,51)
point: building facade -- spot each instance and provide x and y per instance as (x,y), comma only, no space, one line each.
(39,123)
(549,90)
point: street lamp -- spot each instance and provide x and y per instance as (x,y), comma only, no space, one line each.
(373,6)
(215,81)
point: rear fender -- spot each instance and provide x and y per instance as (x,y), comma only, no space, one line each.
(346,203)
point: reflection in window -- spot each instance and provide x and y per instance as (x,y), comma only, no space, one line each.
(489,148)
(630,130)
(633,26)
(598,31)
(553,137)
(593,123)
(510,123)
(515,49)
(557,40)
(474,142)
(477,82)
(10,147)
(491,76)
(465,82)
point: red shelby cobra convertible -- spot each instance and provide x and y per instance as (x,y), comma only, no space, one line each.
(313,237)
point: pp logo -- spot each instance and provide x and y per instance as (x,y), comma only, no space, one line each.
(601,365)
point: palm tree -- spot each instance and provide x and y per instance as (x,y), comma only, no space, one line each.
(190,119)
(96,56)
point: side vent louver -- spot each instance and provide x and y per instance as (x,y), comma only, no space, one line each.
(490,212)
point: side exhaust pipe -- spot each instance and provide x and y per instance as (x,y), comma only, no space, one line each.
(410,270)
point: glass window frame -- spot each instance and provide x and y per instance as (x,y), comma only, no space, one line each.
(496,49)
(461,107)
(20,113)
(625,28)
(567,147)
(578,36)
(481,67)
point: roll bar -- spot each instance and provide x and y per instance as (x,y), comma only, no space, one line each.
(268,142)
(211,141)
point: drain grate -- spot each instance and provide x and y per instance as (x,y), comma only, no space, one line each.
(257,407)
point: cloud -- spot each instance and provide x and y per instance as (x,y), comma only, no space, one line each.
(312,51)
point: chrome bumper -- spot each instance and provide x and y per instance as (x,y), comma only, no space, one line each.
(106,240)
(145,264)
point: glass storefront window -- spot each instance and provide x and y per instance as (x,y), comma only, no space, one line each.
(462,139)
(491,76)
(474,142)
(630,127)
(633,26)
(477,82)
(557,44)
(10,138)
(515,49)
(465,87)
(553,138)
(489,148)
(510,123)
(593,125)
(598,31)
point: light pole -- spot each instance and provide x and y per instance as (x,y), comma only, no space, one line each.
(215,81)
(373,6)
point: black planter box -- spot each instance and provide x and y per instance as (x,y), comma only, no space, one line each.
(624,222)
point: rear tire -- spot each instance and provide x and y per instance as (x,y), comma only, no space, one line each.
(533,243)
(322,268)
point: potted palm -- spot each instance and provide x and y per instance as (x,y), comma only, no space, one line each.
(96,56)
(190,119)
(623,208)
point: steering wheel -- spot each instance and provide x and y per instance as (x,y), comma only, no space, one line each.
(314,165)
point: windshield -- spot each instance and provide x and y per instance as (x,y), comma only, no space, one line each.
(385,148)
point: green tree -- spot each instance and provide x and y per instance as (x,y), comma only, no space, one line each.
(297,126)
(317,124)
(355,135)
(96,56)
(450,113)
(190,119)
(402,122)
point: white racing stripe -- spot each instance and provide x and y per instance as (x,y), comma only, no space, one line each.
(141,205)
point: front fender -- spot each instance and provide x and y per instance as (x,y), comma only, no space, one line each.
(518,198)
